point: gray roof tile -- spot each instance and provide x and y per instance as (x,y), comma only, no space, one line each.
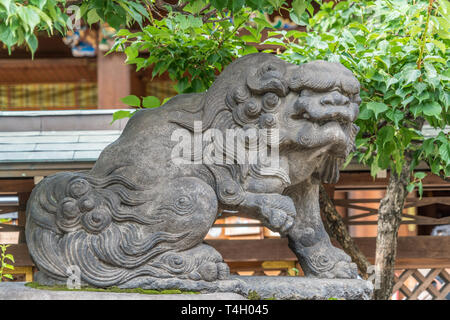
(83,146)
(98,138)
(54,146)
(39,139)
(4,147)
(86,155)
(35,156)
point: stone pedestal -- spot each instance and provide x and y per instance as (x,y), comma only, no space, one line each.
(237,288)
(303,288)
(18,291)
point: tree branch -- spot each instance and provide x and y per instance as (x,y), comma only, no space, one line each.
(336,227)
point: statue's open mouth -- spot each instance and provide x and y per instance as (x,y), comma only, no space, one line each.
(323,133)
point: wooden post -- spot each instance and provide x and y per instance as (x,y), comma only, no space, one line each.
(114,80)
(23,198)
(38,179)
(335,226)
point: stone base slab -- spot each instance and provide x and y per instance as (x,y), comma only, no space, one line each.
(303,288)
(237,288)
(18,291)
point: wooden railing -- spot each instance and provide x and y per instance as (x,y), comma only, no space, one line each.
(360,204)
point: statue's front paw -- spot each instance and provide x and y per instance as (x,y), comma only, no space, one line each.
(212,271)
(279,211)
(328,262)
(278,219)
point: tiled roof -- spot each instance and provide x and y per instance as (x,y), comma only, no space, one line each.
(54,146)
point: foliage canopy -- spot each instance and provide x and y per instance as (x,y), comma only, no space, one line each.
(398,50)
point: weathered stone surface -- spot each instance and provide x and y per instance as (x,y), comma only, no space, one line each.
(304,288)
(264,287)
(18,291)
(139,217)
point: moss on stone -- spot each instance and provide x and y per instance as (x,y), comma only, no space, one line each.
(253,295)
(36,285)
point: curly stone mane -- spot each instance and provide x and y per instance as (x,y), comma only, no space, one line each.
(252,99)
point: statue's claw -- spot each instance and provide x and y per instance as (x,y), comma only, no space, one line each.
(278,210)
(211,271)
(325,261)
(278,219)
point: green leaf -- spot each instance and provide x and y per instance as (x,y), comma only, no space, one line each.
(444,96)
(182,85)
(124,32)
(365,114)
(6,4)
(428,146)
(377,108)
(92,17)
(10,257)
(219,4)
(385,134)
(420,185)
(121,114)
(420,175)
(165,100)
(8,266)
(444,152)
(40,3)
(29,16)
(395,115)
(131,52)
(150,102)
(374,168)
(140,8)
(299,6)
(8,276)
(432,109)
(236,5)
(410,75)
(439,44)
(132,100)
(297,19)
(32,43)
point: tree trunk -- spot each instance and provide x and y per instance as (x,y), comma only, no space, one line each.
(336,228)
(389,219)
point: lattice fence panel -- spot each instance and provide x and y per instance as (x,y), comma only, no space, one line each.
(423,284)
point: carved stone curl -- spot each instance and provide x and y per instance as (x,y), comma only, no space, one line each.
(139,218)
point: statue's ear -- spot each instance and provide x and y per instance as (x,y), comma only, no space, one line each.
(268,78)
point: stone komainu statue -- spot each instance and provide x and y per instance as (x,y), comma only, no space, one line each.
(138,219)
